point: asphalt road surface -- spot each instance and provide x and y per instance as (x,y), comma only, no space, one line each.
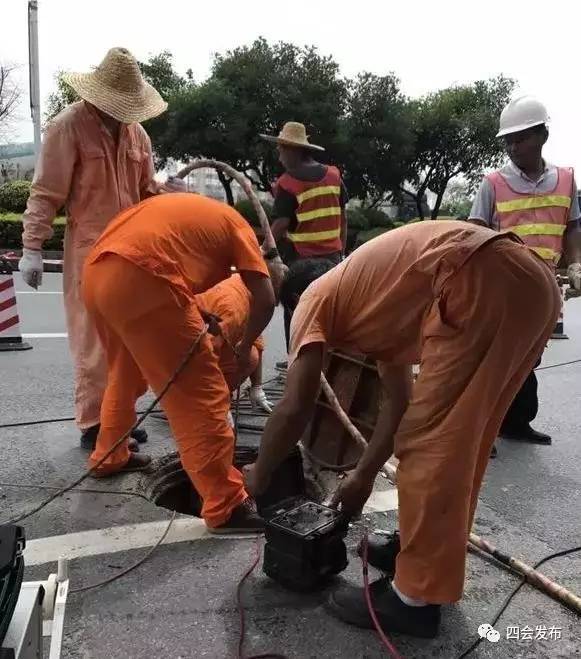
(181,603)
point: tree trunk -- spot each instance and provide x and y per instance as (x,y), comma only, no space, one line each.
(418,199)
(438,202)
(227,185)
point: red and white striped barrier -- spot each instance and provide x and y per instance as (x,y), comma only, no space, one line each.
(10,337)
(559,331)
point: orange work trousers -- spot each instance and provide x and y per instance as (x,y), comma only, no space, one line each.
(146,332)
(481,339)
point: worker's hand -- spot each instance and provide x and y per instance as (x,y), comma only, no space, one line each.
(352,494)
(574,274)
(173,184)
(212,321)
(243,357)
(254,484)
(259,400)
(30,266)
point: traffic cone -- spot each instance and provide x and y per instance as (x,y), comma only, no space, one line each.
(10,337)
(559,331)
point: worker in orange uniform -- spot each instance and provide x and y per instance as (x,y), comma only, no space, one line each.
(309,206)
(538,202)
(95,160)
(140,283)
(229,303)
(420,294)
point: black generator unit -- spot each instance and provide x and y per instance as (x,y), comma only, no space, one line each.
(304,544)
(11,571)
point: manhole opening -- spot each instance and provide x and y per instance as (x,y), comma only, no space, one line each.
(170,487)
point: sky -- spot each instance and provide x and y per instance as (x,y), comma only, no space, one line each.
(427,44)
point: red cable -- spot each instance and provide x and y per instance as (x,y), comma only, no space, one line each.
(386,642)
(249,571)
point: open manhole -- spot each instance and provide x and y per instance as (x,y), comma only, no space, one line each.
(168,486)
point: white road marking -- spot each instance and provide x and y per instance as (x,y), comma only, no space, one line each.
(381,501)
(48,335)
(135,536)
(115,539)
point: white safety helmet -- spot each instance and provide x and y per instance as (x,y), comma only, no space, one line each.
(522,113)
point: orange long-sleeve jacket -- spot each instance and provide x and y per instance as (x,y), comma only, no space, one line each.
(82,168)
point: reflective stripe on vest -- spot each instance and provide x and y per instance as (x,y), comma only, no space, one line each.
(539,229)
(315,236)
(318,192)
(547,253)
(539,220)
(319,212)
(528,203)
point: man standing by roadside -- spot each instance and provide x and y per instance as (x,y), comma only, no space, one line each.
(309,206)
(538,202)
(96,160)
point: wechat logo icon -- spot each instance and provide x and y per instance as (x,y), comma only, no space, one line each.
(487,631)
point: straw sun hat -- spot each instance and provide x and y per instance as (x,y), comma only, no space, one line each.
(293,134)
(117,88)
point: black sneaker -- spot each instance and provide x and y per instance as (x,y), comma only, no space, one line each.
(244,519)
(382,552)
(526,434)
(349,605)
(493,451)
(89,439)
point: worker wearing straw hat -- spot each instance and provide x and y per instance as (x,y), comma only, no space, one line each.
(309,205)
(96,160)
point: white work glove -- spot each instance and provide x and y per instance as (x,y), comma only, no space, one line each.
(30,266)
(574,274)
(259,400)
(230,419)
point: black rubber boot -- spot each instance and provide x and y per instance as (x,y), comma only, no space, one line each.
(349,605)
(526,434)
(382,551)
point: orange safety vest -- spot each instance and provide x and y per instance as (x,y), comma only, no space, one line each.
(318,230)
(539,220)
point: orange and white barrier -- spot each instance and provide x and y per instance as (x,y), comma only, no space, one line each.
(10,337)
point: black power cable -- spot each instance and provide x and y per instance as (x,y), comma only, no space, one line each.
(515,590)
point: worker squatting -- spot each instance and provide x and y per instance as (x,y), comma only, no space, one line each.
(147,272)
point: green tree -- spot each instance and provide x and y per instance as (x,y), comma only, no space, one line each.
(270,84)
(376,138)
(454,131)
(59,99)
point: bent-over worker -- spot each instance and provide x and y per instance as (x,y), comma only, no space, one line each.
(420,294)
(538,202)
(229,302)
(95,161)
(140,283)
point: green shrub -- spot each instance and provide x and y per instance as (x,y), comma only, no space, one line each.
(356,219)
(14,195)
(11,233)
(246,209)
(364,236)
(377,218)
